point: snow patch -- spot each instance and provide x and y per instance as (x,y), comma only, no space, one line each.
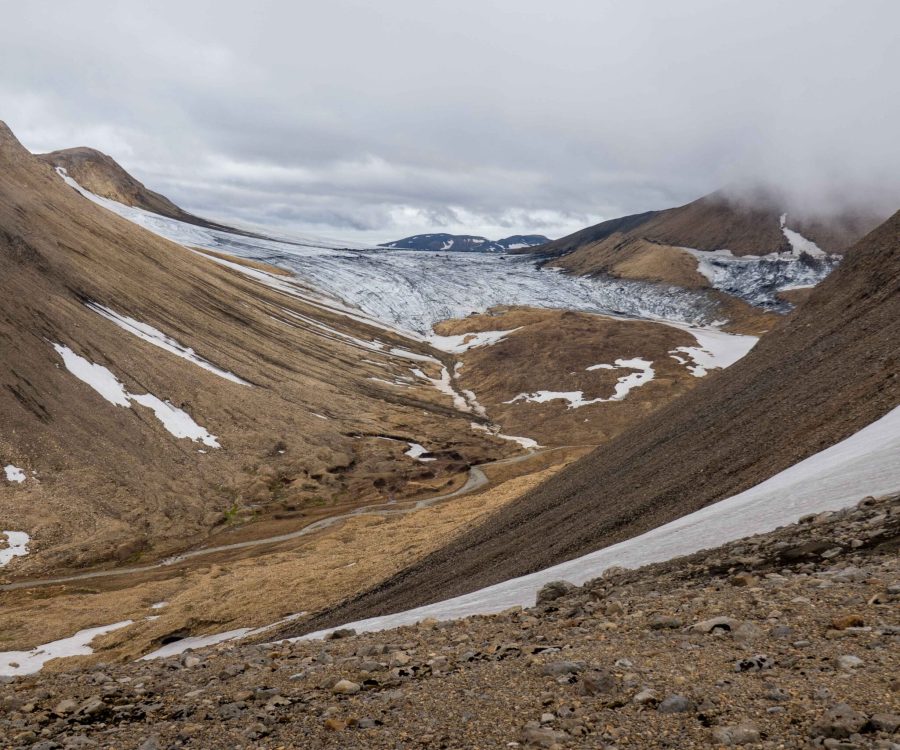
(16,546)
(625,384)
(201,641)
(15,663)
(459,343)
(576,399)
(418,452)
(193,642)
(96,376)
(149,334)
(715,349)
(176,421)
(494,430)
(799,243)
(14,474)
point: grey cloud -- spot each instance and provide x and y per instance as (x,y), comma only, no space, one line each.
(383,119)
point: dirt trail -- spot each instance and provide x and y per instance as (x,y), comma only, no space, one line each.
(477,480)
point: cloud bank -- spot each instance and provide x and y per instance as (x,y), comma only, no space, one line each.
(377,120)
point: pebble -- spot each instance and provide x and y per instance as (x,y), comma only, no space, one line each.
(740,734)
(554,590)
(847,621)
(663,622)
(675,704)
(848,661)
(557,668)
(838,722)
(345,687)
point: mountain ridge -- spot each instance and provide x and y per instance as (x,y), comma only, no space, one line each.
(466,243)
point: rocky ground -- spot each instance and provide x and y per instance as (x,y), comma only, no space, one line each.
(783,640)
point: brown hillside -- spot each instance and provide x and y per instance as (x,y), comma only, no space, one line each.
(647,246)
(824,373)
(108,482)
(103,176)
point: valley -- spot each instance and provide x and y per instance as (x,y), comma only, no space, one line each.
(302,436)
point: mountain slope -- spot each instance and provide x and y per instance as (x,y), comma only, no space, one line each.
(747,226)
(102,175)
(466,243)
(750,248)
(151,397)
(823,374)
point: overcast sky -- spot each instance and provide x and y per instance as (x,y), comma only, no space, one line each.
(373,120)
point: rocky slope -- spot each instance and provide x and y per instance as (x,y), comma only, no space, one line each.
(465,243)
(787,639)
(824,373)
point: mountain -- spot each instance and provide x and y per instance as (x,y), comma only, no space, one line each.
(466,243)
(745,225)
(102,175)
(750,247)
(151,397)
(824,373)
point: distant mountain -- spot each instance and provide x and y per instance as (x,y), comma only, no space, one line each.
(467,243)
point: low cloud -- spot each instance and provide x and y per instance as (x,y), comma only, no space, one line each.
(377,120)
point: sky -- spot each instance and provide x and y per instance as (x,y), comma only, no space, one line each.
(372,121)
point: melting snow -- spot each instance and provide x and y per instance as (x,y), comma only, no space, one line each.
(149,334)
(494,430)
(16,546)
(459,343)
(14,474)
(627,383)
(13,663)
(838,477)
(200,641)
(576,399)
(176,421)
(418,452)
(715,349)
(802,245)
(96,376)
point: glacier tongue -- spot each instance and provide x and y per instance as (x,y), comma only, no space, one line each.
(758,279)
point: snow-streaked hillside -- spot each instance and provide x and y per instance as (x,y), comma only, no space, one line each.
(863,464)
